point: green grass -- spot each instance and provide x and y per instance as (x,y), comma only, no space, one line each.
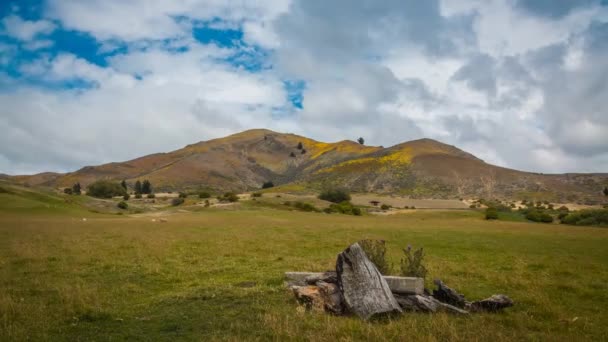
(217,275)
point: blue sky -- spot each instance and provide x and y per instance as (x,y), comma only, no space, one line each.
(519,83)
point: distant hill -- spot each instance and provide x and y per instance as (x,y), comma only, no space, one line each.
(419,168)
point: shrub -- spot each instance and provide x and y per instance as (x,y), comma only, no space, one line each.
(123,205)
(293,155)
(335,195)
(588,217)
(385,207)
(76,189)
(267,185)
(305,207)
(228,197)
(256,194)
(539,216)
(177,201)
(343,208)
(376,253)
(473,206)
(126,197)
(303,151)
(67,191)
(151,196)
(137,196)
(183,195)
(412,263)
(105,189)
(146,187)
(491,213)
(204,194)
(207,204)
(300,146)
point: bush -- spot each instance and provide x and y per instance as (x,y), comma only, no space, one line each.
(151,196)
(123,205)
(385,207)
(539,216)
(126,197)
(137,196)
(105,189)
(177,201)
(343,208)
(305,207)
(204,194)
(207,204)
(67,191)
(376,253)
(335,195)
(256,194)
(228,197)
(411,264)
(491,214)
(589,217)
(183,195)
(267,185)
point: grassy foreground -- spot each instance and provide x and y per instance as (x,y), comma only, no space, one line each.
(217,275)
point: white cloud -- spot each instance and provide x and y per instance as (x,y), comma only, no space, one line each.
(516,89)
(26,30)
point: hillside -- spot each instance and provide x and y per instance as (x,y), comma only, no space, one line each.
(419,168)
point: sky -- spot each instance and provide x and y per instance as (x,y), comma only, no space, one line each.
(519,83)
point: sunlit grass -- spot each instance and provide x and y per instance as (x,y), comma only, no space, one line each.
(217,275)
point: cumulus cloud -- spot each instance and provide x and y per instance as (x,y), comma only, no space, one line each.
(519,83)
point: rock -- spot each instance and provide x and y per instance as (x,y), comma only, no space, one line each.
(405,285)
(332,297)
(309,297)
(447,295)
(428,304)
(495,303)
(365,291)
(328,277)
(417,303)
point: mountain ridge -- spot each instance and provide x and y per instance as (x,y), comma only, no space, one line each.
(244,160)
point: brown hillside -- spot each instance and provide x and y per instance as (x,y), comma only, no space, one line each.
(419,168)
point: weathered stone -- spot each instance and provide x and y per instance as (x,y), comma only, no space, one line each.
(423,303)
(328,277)
(365,291)
(495,303)
(447,295)
(417,303)
(405,285)
(309,297)
(332,297)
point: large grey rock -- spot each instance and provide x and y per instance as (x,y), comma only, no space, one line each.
(365,291)
(493,304)
(401,285)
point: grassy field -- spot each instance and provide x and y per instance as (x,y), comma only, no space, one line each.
(218,274)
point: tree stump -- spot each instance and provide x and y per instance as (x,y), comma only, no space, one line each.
(365,291)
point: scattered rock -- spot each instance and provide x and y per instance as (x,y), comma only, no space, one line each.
(495,303)
(428,304)
(328,277)
(447,295)
(405,285)
(332,297)
(309,297)
(365,291)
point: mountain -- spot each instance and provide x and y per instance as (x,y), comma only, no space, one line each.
(419,168)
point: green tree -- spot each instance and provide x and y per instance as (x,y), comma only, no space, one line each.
(76,190)
(138,187)
(146,187)
(334,195)
(300,146)
(124,184)
(267,185)
(606,191)
(105,189)
(361,140)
